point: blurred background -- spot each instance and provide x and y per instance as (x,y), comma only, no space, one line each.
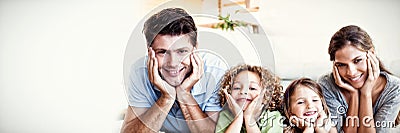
(62,63)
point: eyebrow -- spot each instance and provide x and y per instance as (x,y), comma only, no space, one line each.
(250,82)
(185,47)
(351,59)
(306,98)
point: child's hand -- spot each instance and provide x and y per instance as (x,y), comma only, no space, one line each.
(255,108)
(321,121)
(305,124)
(233,106)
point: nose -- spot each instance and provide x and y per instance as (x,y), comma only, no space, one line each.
(351,69)
(243,91)
(310,105)
(172,60)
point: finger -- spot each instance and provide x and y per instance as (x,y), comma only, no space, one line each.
(148,56)
(150,66)
(336,74)
(156,76)
(228,96)
(200,64)
(374,64)
(194,64)
(294,120)
(198,60)
(262,98)
(369,68)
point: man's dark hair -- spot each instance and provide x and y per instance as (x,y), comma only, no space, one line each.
(170,21)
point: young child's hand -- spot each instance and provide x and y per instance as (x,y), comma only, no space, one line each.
(233,106)
(255,108)
(321,121)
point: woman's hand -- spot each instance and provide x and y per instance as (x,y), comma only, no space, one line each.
(339,81)
(321,121)
(155,78)
(373,73)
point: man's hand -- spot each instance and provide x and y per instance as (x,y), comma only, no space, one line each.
(198,71)
(155,78)
(321,121)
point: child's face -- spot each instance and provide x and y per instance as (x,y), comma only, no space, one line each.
(246,86)
(305,103)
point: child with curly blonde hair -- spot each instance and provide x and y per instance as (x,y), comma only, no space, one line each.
(250,96)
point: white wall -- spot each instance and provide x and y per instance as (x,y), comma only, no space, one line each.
(61,62)
(300,31)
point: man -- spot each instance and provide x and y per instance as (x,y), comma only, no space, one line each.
(173,89)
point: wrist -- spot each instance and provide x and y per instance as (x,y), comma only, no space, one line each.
(367,94)
(168,97)
(250,121)
(182,90)
(319,129)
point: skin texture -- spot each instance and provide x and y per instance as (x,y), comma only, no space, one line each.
(173,68)
(306,108)
(357,73)
(305,104)
(245,101)
(173,60)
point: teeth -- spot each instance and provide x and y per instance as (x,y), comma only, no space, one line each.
(310,113)
(356,78)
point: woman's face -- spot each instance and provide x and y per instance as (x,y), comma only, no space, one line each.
(246,86)
(352,65)
(305,103)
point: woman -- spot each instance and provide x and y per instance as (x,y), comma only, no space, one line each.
(361,94)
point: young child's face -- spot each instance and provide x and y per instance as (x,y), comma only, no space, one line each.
(305,103)
(246,86)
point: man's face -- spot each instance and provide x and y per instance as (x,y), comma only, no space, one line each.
(172,53)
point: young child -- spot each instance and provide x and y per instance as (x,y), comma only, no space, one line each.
(305,108)
(249,96)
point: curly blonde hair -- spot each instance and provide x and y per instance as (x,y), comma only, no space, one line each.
(268,81)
